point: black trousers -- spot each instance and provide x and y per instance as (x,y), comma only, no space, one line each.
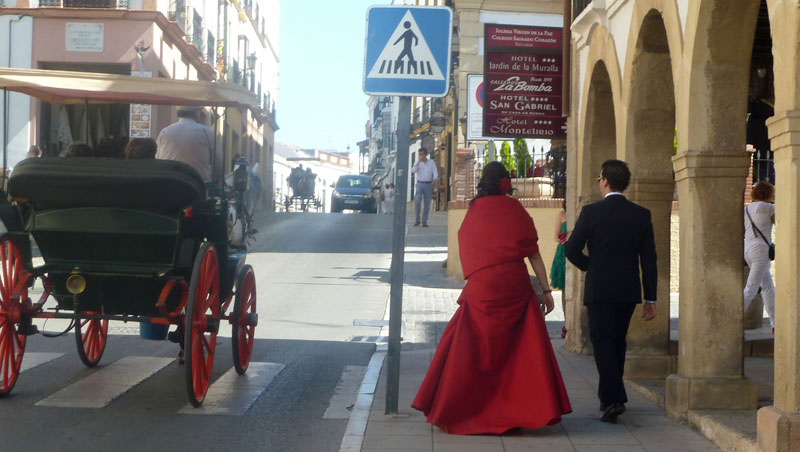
(608,328)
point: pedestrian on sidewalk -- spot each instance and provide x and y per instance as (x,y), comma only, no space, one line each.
(558,269)
(619,235)
(494,368)
(425,169)
(759,216)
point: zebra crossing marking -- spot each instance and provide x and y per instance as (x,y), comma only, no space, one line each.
(35,359)
(234,394)
(106,384)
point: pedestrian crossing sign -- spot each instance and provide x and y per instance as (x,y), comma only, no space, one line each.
(408,51)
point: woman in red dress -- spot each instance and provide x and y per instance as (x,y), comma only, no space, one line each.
(495,369)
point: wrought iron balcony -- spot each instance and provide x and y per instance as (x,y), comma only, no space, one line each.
(84,3)
(578,6)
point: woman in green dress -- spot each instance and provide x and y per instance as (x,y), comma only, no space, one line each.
(558,269)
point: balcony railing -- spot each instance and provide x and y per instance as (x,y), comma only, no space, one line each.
(177,12)
(84,3)
(578,6)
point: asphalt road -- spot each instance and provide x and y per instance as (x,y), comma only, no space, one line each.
(316,274)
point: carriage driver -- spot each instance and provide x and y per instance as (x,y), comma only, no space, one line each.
(190,141)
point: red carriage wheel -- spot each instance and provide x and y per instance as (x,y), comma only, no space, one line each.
(91,336)
(202,323)
(244,319)
(12,343)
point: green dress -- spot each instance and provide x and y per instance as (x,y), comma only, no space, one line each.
(558,269)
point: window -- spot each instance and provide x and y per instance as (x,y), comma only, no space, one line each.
(211,49)
(354,182)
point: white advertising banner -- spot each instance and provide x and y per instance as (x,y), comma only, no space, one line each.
(141,115)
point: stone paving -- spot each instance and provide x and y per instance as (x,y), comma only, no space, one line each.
(429,301)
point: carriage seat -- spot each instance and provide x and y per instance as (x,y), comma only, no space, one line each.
(153,185)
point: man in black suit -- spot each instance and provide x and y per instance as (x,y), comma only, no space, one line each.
(619,236)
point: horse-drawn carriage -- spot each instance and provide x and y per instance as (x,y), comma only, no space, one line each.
(303,185)
(133,240)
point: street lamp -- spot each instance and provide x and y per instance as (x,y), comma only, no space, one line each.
(250,61)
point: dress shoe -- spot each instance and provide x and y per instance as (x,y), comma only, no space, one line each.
(603,407)
(424,225)
(416,224)
(612,411)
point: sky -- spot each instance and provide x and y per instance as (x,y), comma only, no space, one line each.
(320,99)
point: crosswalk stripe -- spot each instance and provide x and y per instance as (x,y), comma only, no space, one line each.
(33,359)
(345,394)
(101,387)
(233,394)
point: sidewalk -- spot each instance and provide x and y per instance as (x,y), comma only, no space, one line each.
(429,302)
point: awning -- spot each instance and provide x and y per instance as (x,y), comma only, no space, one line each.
(68,87)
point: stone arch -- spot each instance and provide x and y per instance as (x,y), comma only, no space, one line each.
(783,18)
(648,148)
(600,131)
(600,106)
(712,104)
(650,122)
(667,10)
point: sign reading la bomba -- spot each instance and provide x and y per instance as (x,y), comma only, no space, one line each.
(522,76)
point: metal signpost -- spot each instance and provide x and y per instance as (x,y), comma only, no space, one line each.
(407,54)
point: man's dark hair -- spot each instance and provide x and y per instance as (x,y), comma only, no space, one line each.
(141,148)
(617,173)
(423,150)
(185,114)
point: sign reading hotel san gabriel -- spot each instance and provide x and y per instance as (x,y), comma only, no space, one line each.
(522,82)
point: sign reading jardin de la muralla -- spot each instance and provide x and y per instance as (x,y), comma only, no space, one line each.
(522,82)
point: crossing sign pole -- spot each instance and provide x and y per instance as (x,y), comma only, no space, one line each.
(407,54)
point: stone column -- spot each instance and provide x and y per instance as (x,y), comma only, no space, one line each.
(710,366)
(648,342)
(779,425)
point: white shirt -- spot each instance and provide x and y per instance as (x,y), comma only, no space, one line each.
(762,213)
(389,194)
(190,142)
(426,172)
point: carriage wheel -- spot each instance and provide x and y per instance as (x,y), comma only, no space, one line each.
(12,343)
(91,336)
(244,319)
(202,323)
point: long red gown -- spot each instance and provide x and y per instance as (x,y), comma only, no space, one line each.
(494,369)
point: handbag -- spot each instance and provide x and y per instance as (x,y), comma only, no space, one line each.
(771,245)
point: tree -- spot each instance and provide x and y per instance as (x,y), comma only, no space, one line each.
(522,157)
(491,153)
(506,158)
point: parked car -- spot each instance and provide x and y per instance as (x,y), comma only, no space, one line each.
(353,192)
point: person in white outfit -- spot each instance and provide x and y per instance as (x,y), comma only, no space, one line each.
(388,199)
(761,213)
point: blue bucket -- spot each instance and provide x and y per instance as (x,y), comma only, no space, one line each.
(153,332)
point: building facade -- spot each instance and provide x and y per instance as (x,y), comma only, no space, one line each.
(679,89)
(225,41)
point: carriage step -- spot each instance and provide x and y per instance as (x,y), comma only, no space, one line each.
(27,330)
(212,325)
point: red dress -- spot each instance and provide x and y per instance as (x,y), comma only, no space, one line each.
(494,369)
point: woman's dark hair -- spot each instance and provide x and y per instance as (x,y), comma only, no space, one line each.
(489,184)
(141,148)
(79,149)
(564,204)
(617,173)
(762,191)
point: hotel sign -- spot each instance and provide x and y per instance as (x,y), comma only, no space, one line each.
(522,82)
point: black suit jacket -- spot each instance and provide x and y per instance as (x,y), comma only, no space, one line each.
(619,235)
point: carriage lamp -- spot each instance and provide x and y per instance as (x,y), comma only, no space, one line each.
(76,284)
